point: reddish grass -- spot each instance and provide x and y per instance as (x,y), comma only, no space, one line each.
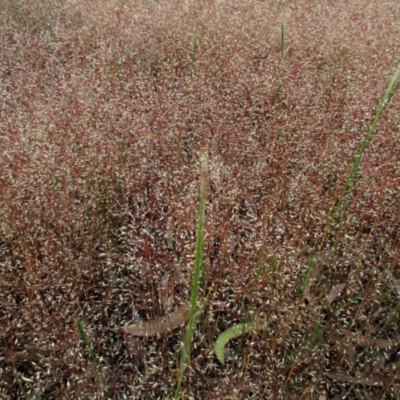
(105,111)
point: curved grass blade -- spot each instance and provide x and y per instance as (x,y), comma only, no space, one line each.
(232,333)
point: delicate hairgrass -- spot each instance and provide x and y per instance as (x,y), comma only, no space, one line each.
(198,273)
(116,233)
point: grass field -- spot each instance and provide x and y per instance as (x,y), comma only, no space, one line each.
(174,171)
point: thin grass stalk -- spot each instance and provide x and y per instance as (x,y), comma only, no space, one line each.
(339,212)
(343,204)
(282,40)
(195,47)
(86,342)
(198,272)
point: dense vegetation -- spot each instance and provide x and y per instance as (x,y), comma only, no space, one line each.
(112,111)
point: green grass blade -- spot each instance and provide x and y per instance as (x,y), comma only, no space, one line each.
(195,289)
(282,40)
(84,338)
(231,333)
(195,47)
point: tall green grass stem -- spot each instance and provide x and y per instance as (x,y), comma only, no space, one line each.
(195,47)
(82,335)
(282,40)
(198,272)
(340,210)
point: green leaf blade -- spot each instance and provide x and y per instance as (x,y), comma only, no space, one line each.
(231,333)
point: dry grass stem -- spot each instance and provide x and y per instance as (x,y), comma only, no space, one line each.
(160,326)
